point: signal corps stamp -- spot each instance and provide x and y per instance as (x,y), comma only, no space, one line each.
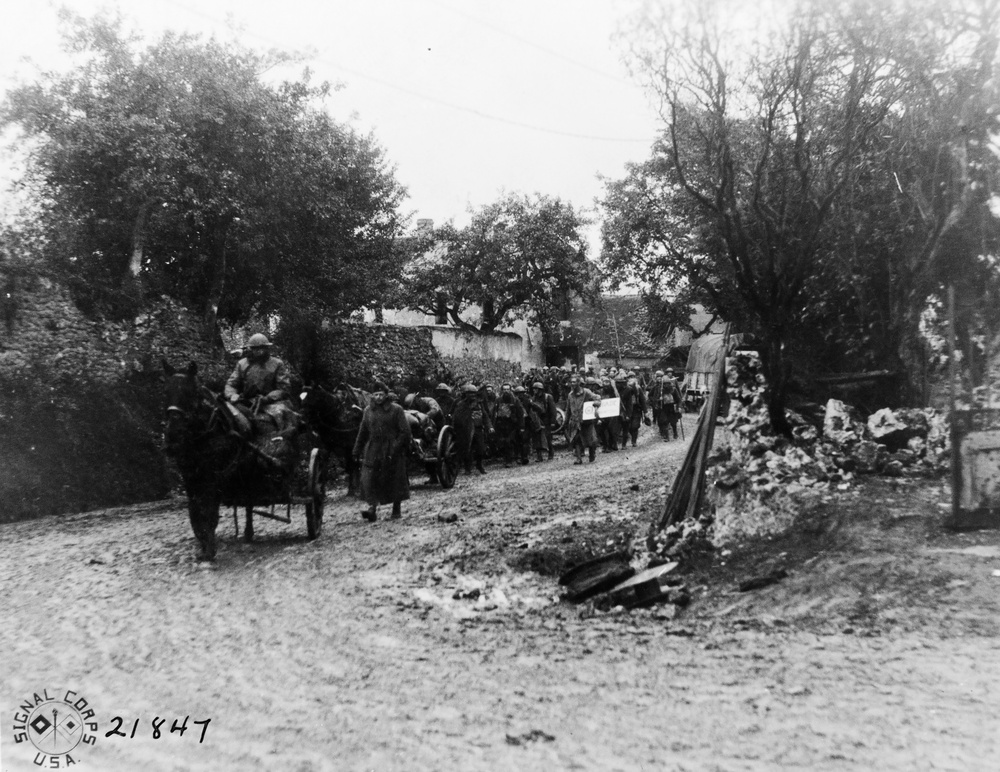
(57,727)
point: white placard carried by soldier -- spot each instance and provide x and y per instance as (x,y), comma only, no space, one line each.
(609,409)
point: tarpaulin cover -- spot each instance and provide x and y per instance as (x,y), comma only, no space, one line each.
(704,353)
(701,363)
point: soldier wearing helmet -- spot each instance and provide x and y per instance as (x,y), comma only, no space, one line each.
(472,425)
(549,414)
(445,399)
(260,376)
(665,399)
(427,406)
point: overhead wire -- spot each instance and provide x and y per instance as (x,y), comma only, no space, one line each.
(425,97)
(530,43)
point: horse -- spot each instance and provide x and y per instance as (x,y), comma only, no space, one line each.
(335,418)
(199,436)
(218,462)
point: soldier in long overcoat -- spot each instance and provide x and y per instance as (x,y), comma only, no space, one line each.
(633,410)
(581,434)
(549,414)
(382,442)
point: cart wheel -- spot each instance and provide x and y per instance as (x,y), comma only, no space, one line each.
(560,420)
(447,457)
(317,492)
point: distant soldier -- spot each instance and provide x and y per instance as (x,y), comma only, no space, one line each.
(633,410)
(580,433)
(509,425)
(609,429)
(533,417)
(445,400)
(381,446)
(549,415)
(668,400)
(472,425)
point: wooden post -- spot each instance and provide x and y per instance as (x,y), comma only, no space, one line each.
(952,372)
(686,491)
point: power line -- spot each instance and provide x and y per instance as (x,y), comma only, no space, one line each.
(427,98)
(530,43)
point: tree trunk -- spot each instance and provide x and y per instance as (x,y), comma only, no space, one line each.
(217,285)
(489,322)
(138,241)
(776,371)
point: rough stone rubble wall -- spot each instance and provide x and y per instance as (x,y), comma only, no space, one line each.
(46,338)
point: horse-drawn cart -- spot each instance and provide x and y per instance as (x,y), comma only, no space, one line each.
(273,487)
(229,458)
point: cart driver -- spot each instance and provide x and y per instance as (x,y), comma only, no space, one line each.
(261,376)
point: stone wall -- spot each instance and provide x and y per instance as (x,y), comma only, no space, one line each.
(480,371)
(45,338)
(403,357)
(81,399)
(361,354)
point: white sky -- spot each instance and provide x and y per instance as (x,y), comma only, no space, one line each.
(468,97)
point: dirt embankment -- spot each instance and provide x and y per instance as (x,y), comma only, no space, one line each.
(422,644)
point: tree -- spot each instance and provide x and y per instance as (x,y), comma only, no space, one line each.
(175,168)
(654,238)
(519,258)
(772,151)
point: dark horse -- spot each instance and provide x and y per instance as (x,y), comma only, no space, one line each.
(217,461)
(335,417)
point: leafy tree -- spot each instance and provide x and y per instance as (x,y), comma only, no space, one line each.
(519,258)
(176,168)
(770,196)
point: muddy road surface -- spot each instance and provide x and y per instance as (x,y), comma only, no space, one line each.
(424,644)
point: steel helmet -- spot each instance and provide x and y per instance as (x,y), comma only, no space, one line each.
(442,387)
(519,389)
(470,388)
(409,400)
(537,385)
(659,373)
(258,339)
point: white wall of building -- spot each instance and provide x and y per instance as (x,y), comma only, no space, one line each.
(517,343)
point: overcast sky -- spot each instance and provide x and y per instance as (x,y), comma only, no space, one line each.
(468,97)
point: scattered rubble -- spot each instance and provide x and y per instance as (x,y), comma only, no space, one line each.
(757,481)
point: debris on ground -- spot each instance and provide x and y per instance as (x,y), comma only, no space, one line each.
(759,582)
(654,585)
(528,737)
(596,576)
(758,481)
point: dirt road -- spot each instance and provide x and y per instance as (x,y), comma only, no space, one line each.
(415,645)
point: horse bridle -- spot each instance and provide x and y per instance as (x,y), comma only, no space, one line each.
(209,399)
